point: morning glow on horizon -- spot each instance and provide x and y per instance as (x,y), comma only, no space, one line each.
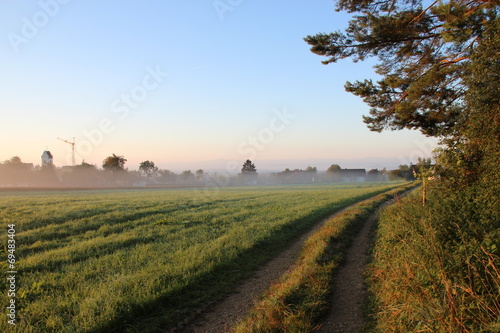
(178,83)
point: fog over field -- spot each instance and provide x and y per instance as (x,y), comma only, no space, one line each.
(266,166)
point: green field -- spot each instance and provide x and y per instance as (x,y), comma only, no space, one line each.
(138,260)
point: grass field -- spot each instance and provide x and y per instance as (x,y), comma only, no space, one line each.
(138,260)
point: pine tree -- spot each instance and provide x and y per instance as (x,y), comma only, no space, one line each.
(248,167)
(473,154)
(423,53)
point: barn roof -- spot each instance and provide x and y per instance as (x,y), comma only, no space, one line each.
(353,172)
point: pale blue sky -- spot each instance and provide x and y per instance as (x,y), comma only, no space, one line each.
(181,81)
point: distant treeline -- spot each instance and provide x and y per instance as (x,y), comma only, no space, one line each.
(14,172)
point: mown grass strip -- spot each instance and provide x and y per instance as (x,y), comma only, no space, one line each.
(295,303)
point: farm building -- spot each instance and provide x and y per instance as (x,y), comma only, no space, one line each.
(296,176)
(353,175)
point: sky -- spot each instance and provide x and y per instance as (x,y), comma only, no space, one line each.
(185,84)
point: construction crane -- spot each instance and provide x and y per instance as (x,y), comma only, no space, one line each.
(72,149)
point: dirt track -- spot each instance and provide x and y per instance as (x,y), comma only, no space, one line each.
(347,304)
(236,305)
(349,291)
(348,297)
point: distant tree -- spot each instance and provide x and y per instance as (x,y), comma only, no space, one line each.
(373,175)
(47,176)
(403,172)
(333,173)
(248,175)
(114,163)
(312,169)
(86,165)
(406,172)
(166,177)
(14,172)
(84,174)
(298,175)
(333,169)
(384,174)
(13,161)
(133,177)
(148,169)
(404,168)
(200,174)
(248,167)
(394,175)
(187,176)
(288,171)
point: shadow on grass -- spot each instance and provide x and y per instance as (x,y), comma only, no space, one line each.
(171,311)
